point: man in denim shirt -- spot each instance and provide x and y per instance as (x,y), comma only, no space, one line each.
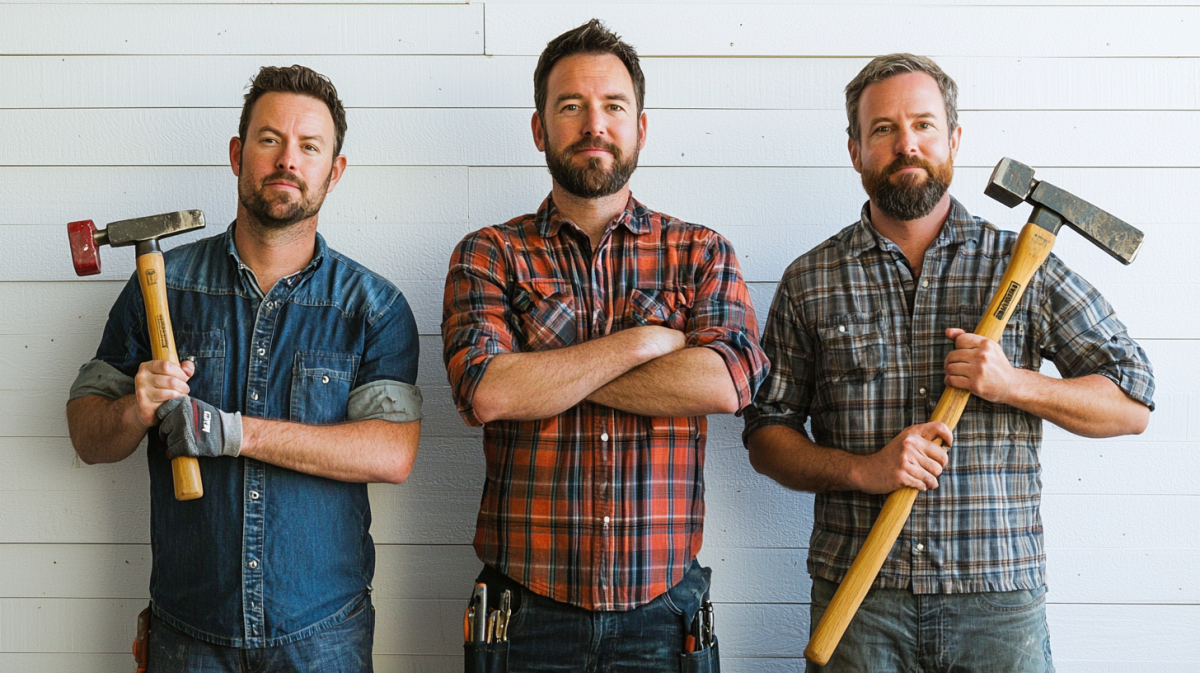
(866,331)
(305,363)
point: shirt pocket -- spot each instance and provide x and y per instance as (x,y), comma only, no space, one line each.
(207,349)
(854,347)
(544,313)
(321,387)
(658,306)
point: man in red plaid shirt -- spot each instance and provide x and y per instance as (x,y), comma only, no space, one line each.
(590,339)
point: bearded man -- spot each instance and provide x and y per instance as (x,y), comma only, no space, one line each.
(302,365)
(589,340)
(866,331)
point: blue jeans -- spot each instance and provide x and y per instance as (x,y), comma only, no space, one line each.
(345,648)
(546,635)
(899,632)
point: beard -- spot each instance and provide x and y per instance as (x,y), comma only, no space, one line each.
(281,212)
(912,198)
(590,181)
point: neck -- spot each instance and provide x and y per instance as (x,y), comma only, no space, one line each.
(273,253)
(590,215)
(912,236)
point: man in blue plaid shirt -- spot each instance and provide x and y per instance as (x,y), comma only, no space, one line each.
(866,331)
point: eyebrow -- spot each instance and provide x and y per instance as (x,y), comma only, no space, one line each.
(270,129)
(572,96)
(919,115)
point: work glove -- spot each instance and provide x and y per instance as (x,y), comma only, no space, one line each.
(198,429)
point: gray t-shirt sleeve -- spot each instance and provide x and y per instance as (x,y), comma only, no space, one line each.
(388,400)
(100,378)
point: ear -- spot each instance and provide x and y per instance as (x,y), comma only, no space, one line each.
(235,155)
(539,135)
(339,167)
(642,132)
(954,139)
(855,153)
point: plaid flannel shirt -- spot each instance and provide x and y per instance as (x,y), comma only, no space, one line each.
(846,354)
(595,507)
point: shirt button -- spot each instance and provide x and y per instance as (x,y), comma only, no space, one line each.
(922,391)
(605,521)
(262,351)
(254,495)
(920,547)
(925,283)
(841,328)
(253,395)
(604,436)
(253,564)
(324,379)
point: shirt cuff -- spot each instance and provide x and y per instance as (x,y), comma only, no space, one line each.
(755,420)
(387,400)
(97,377)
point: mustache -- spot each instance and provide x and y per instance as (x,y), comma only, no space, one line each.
(908,162)
(594,143)
(287,176)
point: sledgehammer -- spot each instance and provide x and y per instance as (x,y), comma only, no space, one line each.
(1011,183)
(143,233)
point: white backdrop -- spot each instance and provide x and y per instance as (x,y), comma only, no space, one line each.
(110,111)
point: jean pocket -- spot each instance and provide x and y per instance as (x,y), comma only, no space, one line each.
(707,660)
(1011,601)
(485,657)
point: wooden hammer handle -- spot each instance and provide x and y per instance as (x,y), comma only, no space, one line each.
(152,277)
(1031,249)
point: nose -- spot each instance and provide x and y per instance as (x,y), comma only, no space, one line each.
(593,124)
(907,142)
(286,157)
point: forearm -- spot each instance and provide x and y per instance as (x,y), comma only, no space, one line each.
(532,386)
(358,451)
(688,382)
(1090,406)
(104,430)
(796,462)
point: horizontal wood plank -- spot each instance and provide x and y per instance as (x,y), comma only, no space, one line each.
(237,29)
(501,137)
(754,30)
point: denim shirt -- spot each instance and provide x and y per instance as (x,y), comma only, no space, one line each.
(269,555)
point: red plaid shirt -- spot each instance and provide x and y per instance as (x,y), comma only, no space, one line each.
(595,507)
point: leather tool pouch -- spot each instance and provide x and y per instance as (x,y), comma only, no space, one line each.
(141,644)
(486,657)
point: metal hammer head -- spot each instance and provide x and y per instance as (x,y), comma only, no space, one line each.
(1012,183)
(86,239)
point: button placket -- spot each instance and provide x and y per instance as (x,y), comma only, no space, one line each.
(253,548)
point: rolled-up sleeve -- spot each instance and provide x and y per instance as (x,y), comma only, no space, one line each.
(722,318)
(786,395)
(474,310)
(1081,334)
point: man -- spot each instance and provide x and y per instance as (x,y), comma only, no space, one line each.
(866,331)
(305,363)
(590,339)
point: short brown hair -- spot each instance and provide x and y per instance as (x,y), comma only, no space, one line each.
(884,67)
(299,80)
(592,37)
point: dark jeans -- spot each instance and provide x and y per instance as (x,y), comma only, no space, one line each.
(345,648)
(545,635)
(897,631)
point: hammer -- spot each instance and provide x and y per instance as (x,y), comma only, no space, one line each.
(143,233)
(1011,183)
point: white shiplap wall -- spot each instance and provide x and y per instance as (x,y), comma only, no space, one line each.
(115,110)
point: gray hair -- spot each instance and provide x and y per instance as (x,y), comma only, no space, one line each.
(884,67)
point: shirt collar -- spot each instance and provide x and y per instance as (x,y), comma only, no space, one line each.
(635,217)
(960,226)
(320,248)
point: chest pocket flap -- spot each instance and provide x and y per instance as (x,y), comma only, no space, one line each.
(854,346)
(543,314)
(321,387)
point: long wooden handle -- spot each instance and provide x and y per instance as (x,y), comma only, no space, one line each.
(1031,249)
(151,276)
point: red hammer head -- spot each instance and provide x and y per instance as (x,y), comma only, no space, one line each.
(86,239)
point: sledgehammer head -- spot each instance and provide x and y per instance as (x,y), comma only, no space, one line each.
(86,239)
(1012,183)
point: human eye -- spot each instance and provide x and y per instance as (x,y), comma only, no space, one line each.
(570,107)
(882,128)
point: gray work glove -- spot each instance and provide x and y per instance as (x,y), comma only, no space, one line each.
(198,429)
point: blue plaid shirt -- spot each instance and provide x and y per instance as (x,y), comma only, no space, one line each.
(848,353)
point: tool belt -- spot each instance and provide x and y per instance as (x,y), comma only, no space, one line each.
(141,643)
